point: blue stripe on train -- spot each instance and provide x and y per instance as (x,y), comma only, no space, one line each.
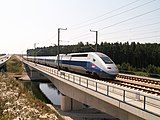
(76,63)
(87,66)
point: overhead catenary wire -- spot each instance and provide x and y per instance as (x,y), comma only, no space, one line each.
(131,38)
(156,36)
(123,21)
(136,34)
(82,35)
(129,19)
(132,28)
(45,41)
(118,14)
(107,13)
(100,16)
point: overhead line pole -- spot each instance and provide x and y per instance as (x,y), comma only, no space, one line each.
(96,49)
(58,50)
(35,52)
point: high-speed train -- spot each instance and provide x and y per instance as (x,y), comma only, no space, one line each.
(92,63)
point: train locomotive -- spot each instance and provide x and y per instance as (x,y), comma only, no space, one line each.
(91,63)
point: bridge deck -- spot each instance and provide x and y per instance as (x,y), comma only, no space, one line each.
(128,99)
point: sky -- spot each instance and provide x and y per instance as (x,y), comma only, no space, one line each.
(25,23)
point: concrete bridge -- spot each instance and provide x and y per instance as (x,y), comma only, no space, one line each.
(3,60)
(77,90)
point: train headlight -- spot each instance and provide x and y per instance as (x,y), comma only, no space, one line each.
(93,66)
(109,68)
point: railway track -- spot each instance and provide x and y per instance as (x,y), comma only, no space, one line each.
(138,83)
(140,79)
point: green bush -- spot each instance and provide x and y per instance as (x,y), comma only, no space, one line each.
(153,69)
(128,69)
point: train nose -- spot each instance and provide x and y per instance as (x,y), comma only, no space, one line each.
(112,69)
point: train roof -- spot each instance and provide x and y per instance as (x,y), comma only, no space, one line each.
(40,57)
(85,54)
(82,54)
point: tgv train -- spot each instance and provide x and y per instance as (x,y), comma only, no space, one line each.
(92,63)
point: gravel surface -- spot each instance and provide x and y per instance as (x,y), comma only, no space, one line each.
(16,103)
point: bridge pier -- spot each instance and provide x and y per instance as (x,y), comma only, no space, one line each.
(34,75)
(68,104)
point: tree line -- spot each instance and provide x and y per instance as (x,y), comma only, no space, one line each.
(128,57)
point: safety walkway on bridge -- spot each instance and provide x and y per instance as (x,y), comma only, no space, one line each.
(141,105)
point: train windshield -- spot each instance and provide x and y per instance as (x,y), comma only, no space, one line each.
(105,58)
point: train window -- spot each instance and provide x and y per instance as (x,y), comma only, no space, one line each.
(106,60)
(80,55)
(94,60)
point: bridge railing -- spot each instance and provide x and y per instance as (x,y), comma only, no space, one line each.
(136,99)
